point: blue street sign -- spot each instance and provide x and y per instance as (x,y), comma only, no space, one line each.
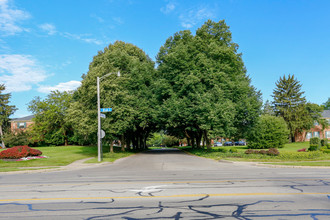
(106,109)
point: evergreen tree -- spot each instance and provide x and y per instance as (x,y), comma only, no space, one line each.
(5,111)
(290,104)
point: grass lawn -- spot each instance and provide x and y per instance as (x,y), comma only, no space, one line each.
(61,156)
(288,154)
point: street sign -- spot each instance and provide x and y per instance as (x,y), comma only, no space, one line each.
(102,134)
(102,115)
(106,109)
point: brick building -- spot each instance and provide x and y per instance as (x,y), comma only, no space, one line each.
(21,123)
(316,131)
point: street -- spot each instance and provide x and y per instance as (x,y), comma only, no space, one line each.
(168,184)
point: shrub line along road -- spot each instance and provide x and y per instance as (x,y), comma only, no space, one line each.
(167,184)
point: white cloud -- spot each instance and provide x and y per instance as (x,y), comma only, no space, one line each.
(81,38)
(49,28)
(66,86)
(10,17)
(193,16)
(168,8)
(20,72)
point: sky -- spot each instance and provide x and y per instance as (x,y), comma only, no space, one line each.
(47,45)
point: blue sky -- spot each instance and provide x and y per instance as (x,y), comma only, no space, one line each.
(48,44)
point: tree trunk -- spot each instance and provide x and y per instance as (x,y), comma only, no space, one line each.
(207,140)
(1,135)
(111,146)
(123,143)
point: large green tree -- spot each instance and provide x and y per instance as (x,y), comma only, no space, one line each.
(5,111)
(129,95)
(51,124)
(290,104)
(202,88)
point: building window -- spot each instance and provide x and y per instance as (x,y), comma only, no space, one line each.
(308,135)
(316,134)
(21,125)
(327,134)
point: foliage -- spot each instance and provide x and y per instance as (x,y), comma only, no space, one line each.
(326,105)
(269,132)
(315,141)
(19,152)
(202,88)
(268,109)
(130,97)
(156,139)
(17,138)
(233,150)
(290,104)
(170,141)
(324,142)
(50,122)
(270,152)
(5,111)
(313,147)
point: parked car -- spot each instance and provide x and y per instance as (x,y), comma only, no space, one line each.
(217,144)
(240,143)
(228,143)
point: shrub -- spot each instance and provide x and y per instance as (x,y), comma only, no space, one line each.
(223,150)
(269,132)
(270,152)
(313,147)
(273,152)
(19,152)
(324,142)
(233,150)
(315,141)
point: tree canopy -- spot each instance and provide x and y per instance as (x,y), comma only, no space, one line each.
(202,86)
(130,96)
(51,124)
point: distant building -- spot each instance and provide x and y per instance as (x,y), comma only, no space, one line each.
(316,131)
(21,123)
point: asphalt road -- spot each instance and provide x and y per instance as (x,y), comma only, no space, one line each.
(168,184)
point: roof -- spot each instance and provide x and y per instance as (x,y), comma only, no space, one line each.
(26,118)
(326,114)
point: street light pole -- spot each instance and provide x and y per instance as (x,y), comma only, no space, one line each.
(99,138)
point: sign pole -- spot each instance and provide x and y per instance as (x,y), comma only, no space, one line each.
(99,141)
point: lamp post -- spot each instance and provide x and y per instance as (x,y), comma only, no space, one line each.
(99,138)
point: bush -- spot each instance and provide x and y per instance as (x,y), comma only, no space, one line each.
(273,152)
(313,147)
(324,142)
(269,132)
(223,150)
(315,141)
(233,150)
(19,152)
(270,152)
